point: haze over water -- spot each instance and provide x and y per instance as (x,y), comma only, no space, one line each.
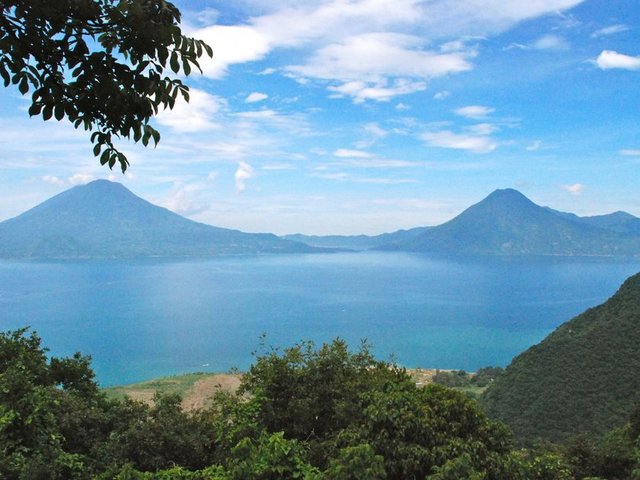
(150,318)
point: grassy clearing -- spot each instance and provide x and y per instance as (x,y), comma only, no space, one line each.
(197,389)
(194,388)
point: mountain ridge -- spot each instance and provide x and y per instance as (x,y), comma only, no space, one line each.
(582,378)
(104,219)
(507,223)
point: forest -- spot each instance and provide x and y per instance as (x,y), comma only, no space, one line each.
(304,412)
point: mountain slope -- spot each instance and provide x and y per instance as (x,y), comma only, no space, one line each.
(621,222)
(104,219)
(508,223)
(582,378)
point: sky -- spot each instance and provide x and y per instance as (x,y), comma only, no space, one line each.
(369,116)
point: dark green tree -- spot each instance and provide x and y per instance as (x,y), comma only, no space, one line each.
(102,64)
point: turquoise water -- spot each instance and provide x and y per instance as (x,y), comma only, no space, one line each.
(144,319)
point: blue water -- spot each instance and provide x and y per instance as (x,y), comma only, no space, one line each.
(144,319)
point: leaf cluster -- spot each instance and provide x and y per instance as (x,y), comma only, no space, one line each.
(105,65)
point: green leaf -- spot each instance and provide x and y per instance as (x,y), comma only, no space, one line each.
(47,112)
(23,87)
(104,158)
(173,62)
(59,112)
(35,109)
(5,75)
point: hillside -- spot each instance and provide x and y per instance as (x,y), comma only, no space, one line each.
(508,223)
(582,378)
(356,242)
(104,219)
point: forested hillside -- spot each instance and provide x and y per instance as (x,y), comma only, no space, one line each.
(304,413)
(581,378)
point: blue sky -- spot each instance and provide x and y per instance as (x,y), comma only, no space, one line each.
(367,116)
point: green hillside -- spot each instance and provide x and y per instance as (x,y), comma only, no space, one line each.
(581,378)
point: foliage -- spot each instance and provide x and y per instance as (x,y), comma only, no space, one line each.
(304,413)
(580,379)
(99,63)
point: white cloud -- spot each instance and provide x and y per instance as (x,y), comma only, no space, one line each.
(442,95)
(550,42)
(630,152)
(375,130)
(195,116)
(609,59)
(377,42)
(180,201)
(535,146)
(372,57)
(448,139)
(75,179)
(362,91)
(80,178)
(207,16)
(53,180)
(345,153)
(574,189)
(346,177)
(256,97)
(482,129)
(474,111)
(610,30)
(231,44)
(243,173)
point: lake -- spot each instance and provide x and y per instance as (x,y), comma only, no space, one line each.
(147,318)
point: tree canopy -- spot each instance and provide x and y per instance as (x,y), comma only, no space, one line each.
(105,65)
(325,413)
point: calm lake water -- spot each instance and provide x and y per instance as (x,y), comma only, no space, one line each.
(143,319)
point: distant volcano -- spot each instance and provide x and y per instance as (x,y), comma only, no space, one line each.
(508,223)
(104,220)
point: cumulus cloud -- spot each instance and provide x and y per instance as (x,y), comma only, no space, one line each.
(80,178)
(195,116)
(377,42)
(181,202)
(243,173)
(474,111)
(256,97)
(609,59)
(574,189)
(449,139)
(442,95)
(375,56)
(231,45)
(75,179)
